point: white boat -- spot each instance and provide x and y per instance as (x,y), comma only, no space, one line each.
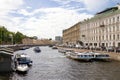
(22,59)
(22,68)
(61,50)
(101,56)
(54,47)
(86,56)
(69,51)
(22,62)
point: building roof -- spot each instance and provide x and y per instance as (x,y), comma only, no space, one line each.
(104,14)
(108,10)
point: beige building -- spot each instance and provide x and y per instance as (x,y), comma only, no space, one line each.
(28,41)
(103,29)
(72,34)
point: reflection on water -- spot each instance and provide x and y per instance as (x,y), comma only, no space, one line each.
(52,65)
(4,76)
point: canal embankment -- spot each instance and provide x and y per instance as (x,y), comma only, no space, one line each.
(114,56)
(22,47)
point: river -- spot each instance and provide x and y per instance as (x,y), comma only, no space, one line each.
(52,65)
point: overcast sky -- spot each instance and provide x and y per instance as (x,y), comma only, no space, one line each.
(47,18)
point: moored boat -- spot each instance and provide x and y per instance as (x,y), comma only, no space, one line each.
(22,68)
(22,62)
(37,49)
(54,47)
(101,57)
(61,50)
(80,56)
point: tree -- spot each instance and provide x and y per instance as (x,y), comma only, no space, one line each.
(18,37)
(50,39)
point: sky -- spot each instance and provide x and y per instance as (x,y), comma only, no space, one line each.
(48,18)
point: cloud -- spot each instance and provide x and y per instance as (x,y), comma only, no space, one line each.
(8,5)
(52,22)
(41,22)
(95,5)
(67,1)
(92,6)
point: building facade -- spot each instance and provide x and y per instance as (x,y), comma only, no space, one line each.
(72,34)
(28,41)
(103,29)
(58,39)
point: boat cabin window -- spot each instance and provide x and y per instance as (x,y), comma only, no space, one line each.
(85,55)
(91,55)
(81,55)
(23,59)
(102,55)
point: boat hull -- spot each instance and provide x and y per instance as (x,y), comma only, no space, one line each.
(22,68)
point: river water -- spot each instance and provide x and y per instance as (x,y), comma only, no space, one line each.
(52,65)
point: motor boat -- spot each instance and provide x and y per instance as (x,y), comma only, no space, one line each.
(54,47)
(86,56)
(101,56)
(83,56)
(22,62)
(61,50)
(37,49)
(22,68)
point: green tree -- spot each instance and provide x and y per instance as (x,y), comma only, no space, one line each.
(18,37)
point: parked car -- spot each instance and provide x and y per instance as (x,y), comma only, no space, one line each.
(110,49)
(117,49)
(103,48)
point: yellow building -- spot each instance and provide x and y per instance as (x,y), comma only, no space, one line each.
(72,34)
(28,41)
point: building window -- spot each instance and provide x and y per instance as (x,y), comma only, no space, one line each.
(110,37)
(90,44)
(86,44)
(117,36)
(109,21)
(117,28)
(107,44)
(103,37)
(118,44)
(95,44)
(106,37)
(113,19)
(113,28)
(113,37)
(118,19)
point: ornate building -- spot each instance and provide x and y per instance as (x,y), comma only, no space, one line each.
(103,29)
